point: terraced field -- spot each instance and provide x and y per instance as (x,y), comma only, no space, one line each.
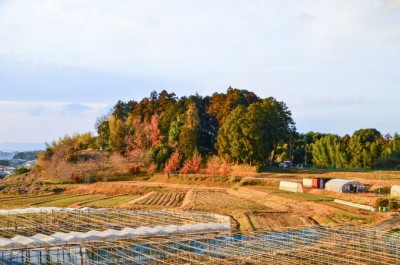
(293,195)
(27,201)
(70,201)
(267,220)
(110,202)
(162,199)
(208,199)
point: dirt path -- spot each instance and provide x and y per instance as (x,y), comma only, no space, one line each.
(188,199)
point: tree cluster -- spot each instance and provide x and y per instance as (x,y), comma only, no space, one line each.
(365,148)
(179,133)
(28,155)
(164,133)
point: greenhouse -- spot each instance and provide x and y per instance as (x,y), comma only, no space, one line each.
(344,186)
(395,191)
(290,186)
(89,236)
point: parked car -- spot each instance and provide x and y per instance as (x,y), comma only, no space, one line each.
(285,164)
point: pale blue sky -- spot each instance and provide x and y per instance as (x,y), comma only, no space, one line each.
(63,63)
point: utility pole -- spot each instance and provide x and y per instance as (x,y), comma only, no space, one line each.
(290,148)
(380,183)
(305,151)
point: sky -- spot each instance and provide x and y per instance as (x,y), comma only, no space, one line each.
(335,63)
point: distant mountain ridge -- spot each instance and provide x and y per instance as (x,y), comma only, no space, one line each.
(21,147)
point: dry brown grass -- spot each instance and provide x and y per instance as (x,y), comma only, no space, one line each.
(243,170)
(196,179)
(251,181)
(268,220)
(107,189)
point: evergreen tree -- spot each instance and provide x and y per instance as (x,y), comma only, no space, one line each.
(117,138)
(330,151)
(365,146)
(232,140)
(189,132)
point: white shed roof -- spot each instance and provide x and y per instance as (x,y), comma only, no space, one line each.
(94,235)
(47,239)
(6,242)
(64,237)
(395,190)
(338,182)
(27,241)
(338,185)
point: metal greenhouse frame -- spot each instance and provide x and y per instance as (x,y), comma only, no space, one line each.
(88,236)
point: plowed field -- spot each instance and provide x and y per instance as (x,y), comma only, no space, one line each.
(222,200)
(163,199)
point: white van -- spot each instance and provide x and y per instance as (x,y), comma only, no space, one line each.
(285,164)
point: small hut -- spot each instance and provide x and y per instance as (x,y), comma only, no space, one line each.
(319,183)
(290,186)
(395,191)
(344,186)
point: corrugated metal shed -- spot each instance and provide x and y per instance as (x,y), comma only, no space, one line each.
(319,183)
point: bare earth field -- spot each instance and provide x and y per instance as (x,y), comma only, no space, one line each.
(253,202)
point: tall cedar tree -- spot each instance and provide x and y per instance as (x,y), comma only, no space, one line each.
(189,132)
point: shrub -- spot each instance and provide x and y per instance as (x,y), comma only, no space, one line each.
(382,202)
(21,170)
(193,165)
(151,169)
(393,205)
(225,168)
(218,167)
(75,179)
(173,162)
(135,170)
(213,165)
(251,182)
(383,190)
(262,168)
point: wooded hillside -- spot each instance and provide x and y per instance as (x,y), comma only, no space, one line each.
(165,133)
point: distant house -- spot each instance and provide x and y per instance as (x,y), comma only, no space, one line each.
(344,186)
(10,169)
(29,164)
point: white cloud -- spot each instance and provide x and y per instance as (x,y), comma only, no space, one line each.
(42,121)
(37,111)
(201,43)
(394,4)
(306,18)
(75,109)
(346,51)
